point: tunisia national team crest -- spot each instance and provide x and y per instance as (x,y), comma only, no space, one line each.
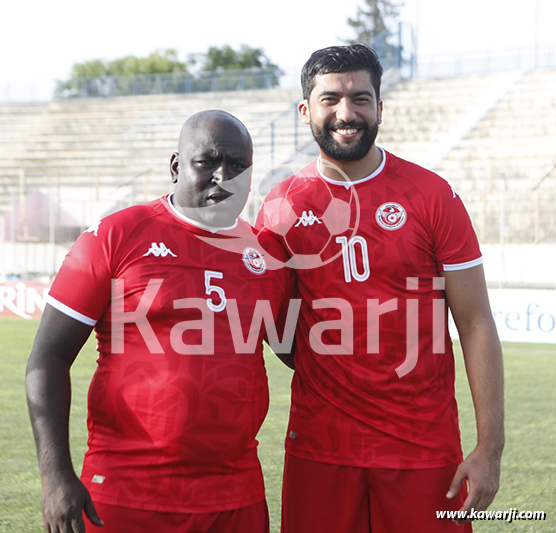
(254,261)
(391,216)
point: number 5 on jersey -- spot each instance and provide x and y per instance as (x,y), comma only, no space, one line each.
(350,260)
(209,289)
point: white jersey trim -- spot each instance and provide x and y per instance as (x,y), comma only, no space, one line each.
(348,184)
(72,313)
(212,229)
(463,266)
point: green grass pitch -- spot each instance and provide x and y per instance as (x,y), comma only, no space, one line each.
(529,464)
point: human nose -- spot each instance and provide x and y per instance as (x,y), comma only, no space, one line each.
(345,110)
(221,173)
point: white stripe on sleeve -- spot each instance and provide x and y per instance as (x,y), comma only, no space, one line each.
(463,266)
(63,308)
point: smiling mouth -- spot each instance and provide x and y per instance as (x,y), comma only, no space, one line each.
(346,131)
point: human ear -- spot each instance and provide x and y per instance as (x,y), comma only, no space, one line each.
(303,110)
(175,166)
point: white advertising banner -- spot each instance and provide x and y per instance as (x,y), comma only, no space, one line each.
(522,315)
(23,299)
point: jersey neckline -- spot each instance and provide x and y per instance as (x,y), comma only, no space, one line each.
(348,184)
(194,223)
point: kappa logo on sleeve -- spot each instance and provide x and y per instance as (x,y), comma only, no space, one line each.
(159,250)
(94,229)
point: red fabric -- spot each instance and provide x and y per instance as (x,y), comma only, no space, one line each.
(172,429)
(250,519)
(325,498)
(351,403)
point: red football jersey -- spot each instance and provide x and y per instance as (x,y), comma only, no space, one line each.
(374,380)
(180,390)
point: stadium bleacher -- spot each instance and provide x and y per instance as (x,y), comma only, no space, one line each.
(502,163)
(80,141)
(491,135)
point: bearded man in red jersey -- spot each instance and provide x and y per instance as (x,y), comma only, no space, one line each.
(373,440)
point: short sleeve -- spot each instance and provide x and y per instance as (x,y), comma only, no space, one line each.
(455,243)
(82,286)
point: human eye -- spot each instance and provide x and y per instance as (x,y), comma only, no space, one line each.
(239,165)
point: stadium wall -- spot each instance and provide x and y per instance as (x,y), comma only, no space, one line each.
(520,265)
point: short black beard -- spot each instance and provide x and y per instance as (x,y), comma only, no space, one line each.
(354,152)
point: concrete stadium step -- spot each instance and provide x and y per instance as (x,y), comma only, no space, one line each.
(102,143)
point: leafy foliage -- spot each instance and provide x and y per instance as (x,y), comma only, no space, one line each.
(163,72)
(226,58)
(245,68)
(372,25)
(371,20)
(159,62)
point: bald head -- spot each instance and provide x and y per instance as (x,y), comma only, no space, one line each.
(211,120)
(212,170)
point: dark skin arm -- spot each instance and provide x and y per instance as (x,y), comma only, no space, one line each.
(64,498)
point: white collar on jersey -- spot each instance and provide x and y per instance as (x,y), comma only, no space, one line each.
(212,229)
(348,184)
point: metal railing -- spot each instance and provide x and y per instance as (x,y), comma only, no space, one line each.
(44,211)
(171,83)
(398,55)
(484,62)
(513,217)
(33,244)
(144,84)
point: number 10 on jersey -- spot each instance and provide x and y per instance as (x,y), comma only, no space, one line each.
(349,258)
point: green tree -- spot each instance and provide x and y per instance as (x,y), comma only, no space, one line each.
(93,68)
(159,72)
(372,25)
(226,58)
(228,69)
(159,62)
(162,72)
(126,75)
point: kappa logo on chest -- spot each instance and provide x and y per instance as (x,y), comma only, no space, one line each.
(159,250)
(308,219)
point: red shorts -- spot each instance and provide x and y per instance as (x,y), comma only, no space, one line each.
(249,519)
(326,498)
